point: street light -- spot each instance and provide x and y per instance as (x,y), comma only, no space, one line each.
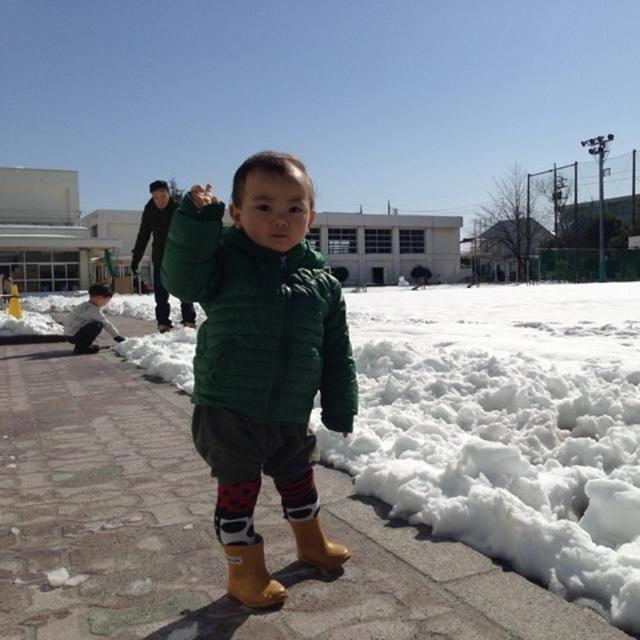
(599,146)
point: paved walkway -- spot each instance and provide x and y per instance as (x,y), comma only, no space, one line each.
(98,476)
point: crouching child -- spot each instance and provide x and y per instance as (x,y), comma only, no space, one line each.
(86,321)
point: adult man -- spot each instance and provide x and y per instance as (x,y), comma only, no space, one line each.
(156,219)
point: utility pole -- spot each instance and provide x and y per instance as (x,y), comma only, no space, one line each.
(474,255)
(559,185)
(600,147)
(528,229)
(634,218)
(555,202)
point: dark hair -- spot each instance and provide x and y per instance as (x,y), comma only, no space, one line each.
(276,162)
(100,290)
(157,185)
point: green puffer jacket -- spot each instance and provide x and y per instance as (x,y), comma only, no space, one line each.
(276,329)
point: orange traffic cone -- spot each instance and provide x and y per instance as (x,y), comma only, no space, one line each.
(15,306)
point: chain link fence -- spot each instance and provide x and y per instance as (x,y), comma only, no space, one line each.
(581,265)
(566,201)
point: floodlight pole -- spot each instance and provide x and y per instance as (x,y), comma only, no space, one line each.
(599,147)
(602,269)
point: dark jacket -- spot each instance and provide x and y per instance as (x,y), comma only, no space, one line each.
(156,221)
(276,329)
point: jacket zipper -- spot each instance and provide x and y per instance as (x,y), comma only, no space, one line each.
(284,350)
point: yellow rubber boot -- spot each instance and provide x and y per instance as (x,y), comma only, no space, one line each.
(314,548)
(249,580)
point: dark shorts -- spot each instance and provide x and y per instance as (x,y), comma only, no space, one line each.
(239,450)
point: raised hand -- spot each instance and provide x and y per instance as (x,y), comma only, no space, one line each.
(203,196)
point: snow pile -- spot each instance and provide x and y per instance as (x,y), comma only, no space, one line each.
(53,302)
(168,356)
(131,306)
(510,457)
(32,323)
(61,577)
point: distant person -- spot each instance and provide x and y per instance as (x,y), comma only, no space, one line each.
(156,219)
(86,321)
(6,282)
(276,333)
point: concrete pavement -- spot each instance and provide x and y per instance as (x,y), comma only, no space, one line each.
(98,476)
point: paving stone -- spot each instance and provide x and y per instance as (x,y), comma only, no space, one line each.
(17,633)
(12,598)
(531,608)
(70,627)
(104,622)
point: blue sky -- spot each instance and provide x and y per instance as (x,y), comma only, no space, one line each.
(418,101)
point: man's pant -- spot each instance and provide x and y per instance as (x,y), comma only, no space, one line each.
(163,308)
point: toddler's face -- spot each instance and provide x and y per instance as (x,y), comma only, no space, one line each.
(100,301)
(276,210)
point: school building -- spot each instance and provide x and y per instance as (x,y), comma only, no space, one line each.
(43,244)
(374,249)
(378,249)
(46,246)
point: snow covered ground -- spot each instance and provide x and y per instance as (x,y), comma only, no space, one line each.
(507,417)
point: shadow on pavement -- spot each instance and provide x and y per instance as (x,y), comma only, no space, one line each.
(222,618)
(41,355)
(31,339)
(382,510)
(48,355)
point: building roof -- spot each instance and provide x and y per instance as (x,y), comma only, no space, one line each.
(508,228)
(30,236)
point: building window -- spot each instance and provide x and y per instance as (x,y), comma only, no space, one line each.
(313,238)
(377,240)
(43,271)
(38,256)
(66,256)
(11,256)
(343,241)
(411,241)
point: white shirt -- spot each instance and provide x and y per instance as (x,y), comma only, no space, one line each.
(84,314)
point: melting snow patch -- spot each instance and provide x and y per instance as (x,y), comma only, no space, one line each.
(60,577)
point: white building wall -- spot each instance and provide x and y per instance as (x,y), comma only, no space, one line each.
(441,255)
(39,196)
(128,234)
(441,243)
(124,225)
(118,223)
(42,242)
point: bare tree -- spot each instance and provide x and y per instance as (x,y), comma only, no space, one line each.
(176,192)
(504,219)
(556,213)
(508,233)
